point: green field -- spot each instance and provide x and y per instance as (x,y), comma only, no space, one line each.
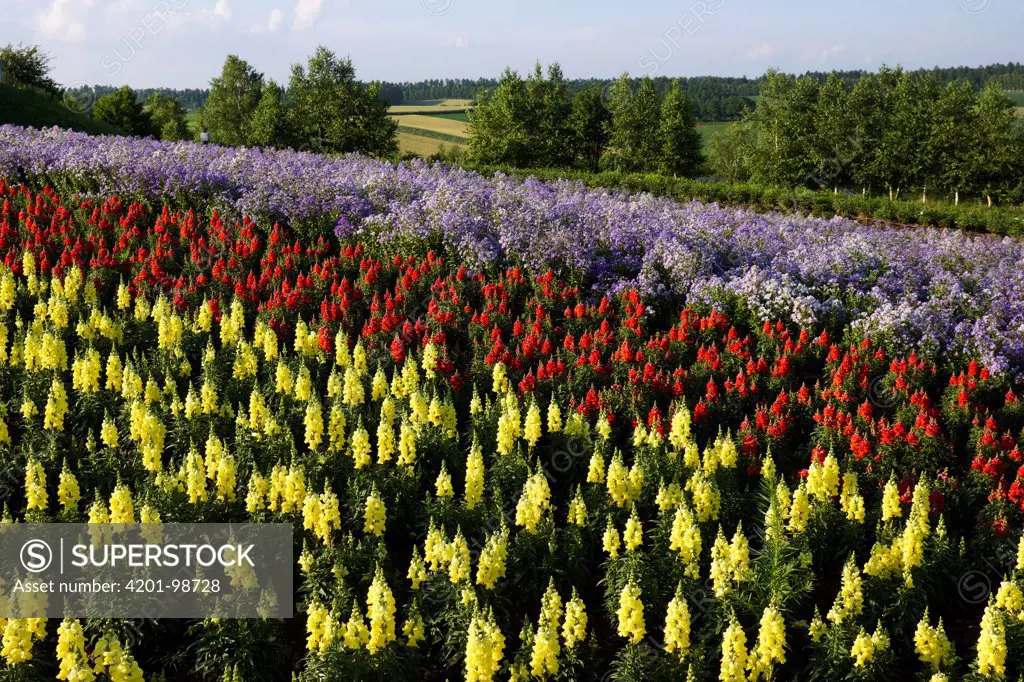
(30,108)
(455,116)
(710,130)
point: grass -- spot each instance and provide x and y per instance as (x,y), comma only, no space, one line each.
(454,116)
(37,110)
(420,145)
(434,124)
(710,130)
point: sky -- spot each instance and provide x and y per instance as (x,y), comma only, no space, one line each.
(183,43)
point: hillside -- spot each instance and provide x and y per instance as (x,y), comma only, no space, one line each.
(30,108)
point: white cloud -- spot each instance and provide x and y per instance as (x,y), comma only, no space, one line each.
(760,52)
(222,10)
(833,51)
(61,19)
(275,20)
(305,13)
(458,43)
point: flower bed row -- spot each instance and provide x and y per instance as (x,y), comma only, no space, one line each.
(493,473)
(944,294)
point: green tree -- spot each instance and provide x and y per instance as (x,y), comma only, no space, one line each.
(730,153)
(27,66)
(634,131)
(167,117)
(234,96)
(269,124)
(122,109)
(834,147)
(589,121)
(995,153)
(783,154)
(647,110)
(502,124)
(903,157)
(681,145)
(330,111)
(952,141)
(549,100)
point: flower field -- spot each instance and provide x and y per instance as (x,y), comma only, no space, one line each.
(522,430)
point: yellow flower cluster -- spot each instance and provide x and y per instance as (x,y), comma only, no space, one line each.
(485,648)
(18,637)
(611,541)
(823,479)
(992,643)
(931,644)
(459,567)
(374,514)
(534,502)
(677,625)
(68,491)
(685,538)
(850,501)
(634,533)
(72,659)
(380,608)
(624,485)
(577,510)
(706,498)
(321,627)
(865,647)
(491,566)
(734,653)
(770,649)
(849,602)
(110,658)
(356,635)
(574,629)
(730,562)
(320,514)
(631,613)
(35,486)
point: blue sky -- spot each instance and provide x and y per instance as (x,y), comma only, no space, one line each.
(182,43)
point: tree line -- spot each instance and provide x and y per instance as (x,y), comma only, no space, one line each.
(892,133)
(537,122)
(323,109)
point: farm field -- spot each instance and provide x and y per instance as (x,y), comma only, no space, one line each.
(418,144)
(436,124)
(432,107)
(520,429)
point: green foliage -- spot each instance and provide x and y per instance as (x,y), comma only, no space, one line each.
(234,96)
(681,144)
(167,117)
(893,132)
(269,124)
(729,154)
(588,122)
(503,125)
(30,108)
(27,66)
(123,110)
(330,111)
(633,141)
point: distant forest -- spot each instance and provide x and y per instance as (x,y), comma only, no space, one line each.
(714,98)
